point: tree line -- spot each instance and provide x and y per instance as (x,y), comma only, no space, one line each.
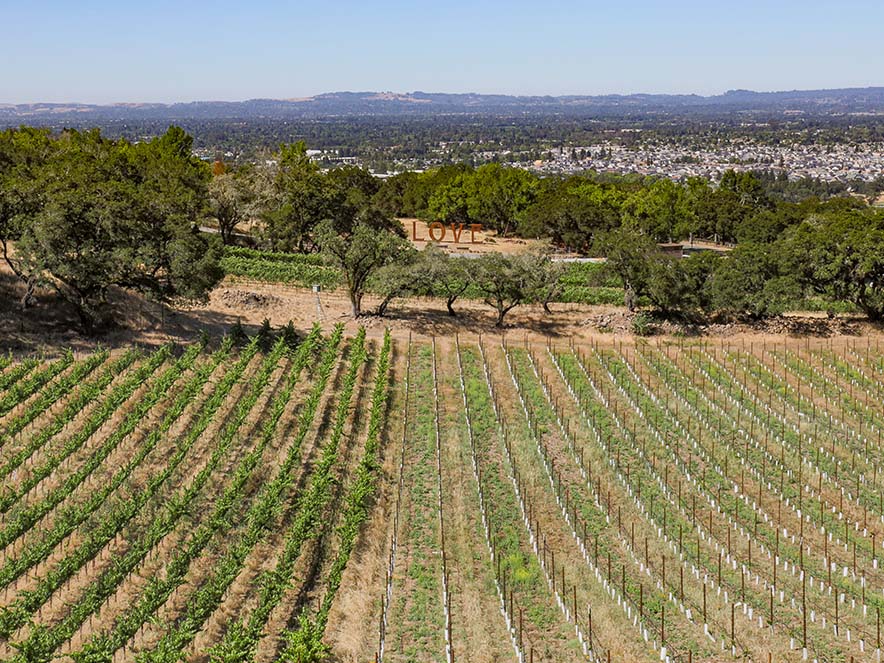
(82,214)
(836,256)
(572,210)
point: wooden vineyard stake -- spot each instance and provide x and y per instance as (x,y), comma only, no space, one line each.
(662,623)
(804,611)
(521,629)
(836,612)
(733,627)
(705,621)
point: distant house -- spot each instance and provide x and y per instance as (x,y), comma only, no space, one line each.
(679,250)
(675,250)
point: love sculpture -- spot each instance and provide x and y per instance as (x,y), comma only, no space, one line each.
(437,232)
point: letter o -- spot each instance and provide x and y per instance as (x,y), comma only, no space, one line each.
(434,226)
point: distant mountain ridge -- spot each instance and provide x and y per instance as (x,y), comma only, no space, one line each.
(824,102)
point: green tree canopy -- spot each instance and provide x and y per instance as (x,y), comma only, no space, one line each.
(503,280)
(655,209)
(302,198)
(748,283)
(492,195)
(629,253)
(235,196)
(396,279)
(497,195)
(450,202)
(438,274)
(22,154)
(841,255)
(543,278)
(359,254)
(679,285)
(115,214)
(571,212)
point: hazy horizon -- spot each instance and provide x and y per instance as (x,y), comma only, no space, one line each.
(411,92)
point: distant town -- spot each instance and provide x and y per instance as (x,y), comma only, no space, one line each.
(825,162)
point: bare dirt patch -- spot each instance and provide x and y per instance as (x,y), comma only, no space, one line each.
(248,300)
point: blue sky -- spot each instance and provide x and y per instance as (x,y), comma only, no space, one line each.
(101,51)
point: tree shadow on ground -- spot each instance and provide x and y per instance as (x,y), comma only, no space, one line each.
(437,322)
(51,323)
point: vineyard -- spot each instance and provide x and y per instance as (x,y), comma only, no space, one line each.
(367,498)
